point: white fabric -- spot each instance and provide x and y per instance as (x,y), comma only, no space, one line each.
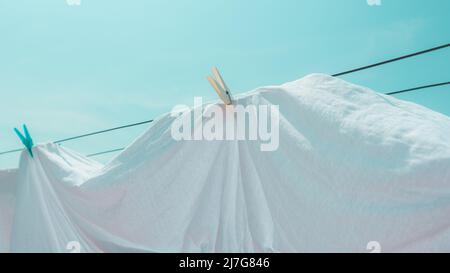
(353,166)
(8,182)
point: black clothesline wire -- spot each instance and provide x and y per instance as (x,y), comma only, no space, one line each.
(391,60)
(106,152)
(334,75)
(86,135)
(418,88)
(103,131)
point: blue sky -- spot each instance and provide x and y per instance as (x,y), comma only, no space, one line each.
(67,70)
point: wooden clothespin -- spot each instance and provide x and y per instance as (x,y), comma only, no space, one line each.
(219,85)
(26,139)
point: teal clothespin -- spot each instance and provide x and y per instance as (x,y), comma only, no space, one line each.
(26,140)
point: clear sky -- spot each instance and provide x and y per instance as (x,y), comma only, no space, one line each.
(70,69)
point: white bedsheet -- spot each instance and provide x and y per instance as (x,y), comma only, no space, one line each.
(352,166)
